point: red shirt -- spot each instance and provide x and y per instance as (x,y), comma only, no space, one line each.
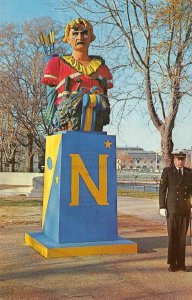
(58,68)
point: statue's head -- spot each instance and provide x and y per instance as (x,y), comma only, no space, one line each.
(79,33)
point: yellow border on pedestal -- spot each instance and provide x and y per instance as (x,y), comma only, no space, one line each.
(52,153)
(79,251)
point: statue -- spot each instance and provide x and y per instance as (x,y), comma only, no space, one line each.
(79,215)
(80,83)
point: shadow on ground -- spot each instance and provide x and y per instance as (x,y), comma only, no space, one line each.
(150,244)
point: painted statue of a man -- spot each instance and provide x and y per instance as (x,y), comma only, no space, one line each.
(81,82)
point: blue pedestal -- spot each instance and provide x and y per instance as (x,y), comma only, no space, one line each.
(80,201)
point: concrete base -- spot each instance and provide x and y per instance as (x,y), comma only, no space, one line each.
(50,249)
(37,190)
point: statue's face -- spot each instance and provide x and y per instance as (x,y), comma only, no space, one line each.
(79,38)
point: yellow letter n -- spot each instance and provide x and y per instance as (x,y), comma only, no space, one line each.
(78,169)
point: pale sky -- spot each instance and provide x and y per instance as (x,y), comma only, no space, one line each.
(136,130)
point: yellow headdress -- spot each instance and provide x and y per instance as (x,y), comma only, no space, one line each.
(78,21)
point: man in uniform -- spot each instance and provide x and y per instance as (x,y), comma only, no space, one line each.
(175,204)
(78,74)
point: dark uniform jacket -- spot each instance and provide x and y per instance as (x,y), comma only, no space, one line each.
(175,191)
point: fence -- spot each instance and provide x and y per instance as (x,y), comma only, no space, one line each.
(134,180)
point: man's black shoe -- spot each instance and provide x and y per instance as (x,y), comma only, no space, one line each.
(184,269)
(172,268)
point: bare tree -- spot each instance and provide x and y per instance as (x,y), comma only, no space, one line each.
(149,44)
(124,158)
(10,149)
(22,94)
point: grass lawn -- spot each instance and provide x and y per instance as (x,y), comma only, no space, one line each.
(19,201)
(138,194)
(22,200)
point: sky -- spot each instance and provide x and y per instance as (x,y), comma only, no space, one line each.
(136,129)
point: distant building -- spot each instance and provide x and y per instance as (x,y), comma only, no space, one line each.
(138,159)
(189,158)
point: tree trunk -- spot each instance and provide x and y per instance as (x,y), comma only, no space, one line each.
(167,148)
(41,161)
(1,161)
(30,156)
(12,167)
(12,160)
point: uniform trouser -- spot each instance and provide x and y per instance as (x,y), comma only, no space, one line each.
(177,226)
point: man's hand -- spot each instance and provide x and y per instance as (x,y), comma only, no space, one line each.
(163,212)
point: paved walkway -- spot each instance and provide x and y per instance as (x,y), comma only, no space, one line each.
(147,209)
(27,275)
